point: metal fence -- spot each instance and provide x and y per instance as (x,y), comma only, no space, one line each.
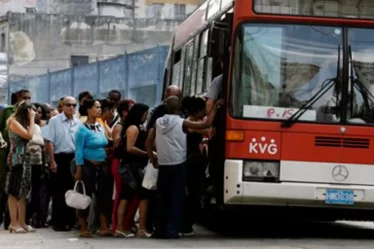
(138,76)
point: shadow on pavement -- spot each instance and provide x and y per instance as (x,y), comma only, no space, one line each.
(259,225)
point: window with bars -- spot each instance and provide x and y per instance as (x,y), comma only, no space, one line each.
(179,11)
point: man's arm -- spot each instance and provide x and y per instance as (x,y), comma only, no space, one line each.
(209,106)
(213,94)
(50,151)
(149,146)
(50,147)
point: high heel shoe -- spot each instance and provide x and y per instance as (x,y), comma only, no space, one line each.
(16,229)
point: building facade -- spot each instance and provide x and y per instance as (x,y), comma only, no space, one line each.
(41,36)
(164,9)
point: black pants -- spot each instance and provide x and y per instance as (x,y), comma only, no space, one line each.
(195,173)
(33,207)
(170,192)
(62,181)
(152,210)
(45,197)
(98,180)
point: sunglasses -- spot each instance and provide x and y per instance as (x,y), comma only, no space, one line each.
(71,105)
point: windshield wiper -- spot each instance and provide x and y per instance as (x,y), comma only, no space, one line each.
(326,86)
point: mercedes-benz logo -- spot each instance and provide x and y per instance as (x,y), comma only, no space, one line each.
(340,173)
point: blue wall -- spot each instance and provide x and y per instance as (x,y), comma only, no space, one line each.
(138,76)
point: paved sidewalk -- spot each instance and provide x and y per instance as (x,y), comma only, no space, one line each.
(353,235)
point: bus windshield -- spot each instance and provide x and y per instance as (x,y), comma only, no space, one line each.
(277,68)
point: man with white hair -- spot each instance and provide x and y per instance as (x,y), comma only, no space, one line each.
(60,137)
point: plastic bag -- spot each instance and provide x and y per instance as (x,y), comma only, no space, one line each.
(150,177)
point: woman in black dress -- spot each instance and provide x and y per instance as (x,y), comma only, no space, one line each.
(134,160)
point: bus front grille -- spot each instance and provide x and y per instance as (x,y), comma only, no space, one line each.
(361,143)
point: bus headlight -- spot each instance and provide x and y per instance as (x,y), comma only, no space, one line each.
(261,171)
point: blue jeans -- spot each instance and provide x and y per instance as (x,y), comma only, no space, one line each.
(170,196)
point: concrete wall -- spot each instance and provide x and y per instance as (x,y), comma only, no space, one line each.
(138,76)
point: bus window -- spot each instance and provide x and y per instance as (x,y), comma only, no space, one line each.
(201,62)
(200,76)
(204,43)
(208,74)
(177,69)
(181,77)
(194,66)
(188,69)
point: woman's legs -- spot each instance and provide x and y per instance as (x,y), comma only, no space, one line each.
(13,209)
(22,212)
(104,198)
(143,210)
(117,180)
(83,223)
(120,214)
(131,209)
(89,181)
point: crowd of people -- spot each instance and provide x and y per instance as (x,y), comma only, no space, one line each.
(106,144)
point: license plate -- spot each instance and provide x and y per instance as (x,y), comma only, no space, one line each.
(338,196)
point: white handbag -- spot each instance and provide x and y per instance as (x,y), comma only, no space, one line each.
(77,200)
(150,177)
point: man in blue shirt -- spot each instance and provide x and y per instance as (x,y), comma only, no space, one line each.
(60,136)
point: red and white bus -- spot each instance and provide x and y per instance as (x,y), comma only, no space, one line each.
(298,79)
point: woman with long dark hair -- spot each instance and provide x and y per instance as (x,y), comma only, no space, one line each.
(90,156)
(123,109)
(134,159)
(21,130)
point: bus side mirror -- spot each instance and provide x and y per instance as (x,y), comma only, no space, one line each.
(218,35)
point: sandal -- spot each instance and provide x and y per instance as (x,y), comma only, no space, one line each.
(85,234)
(120,234)
(143,234)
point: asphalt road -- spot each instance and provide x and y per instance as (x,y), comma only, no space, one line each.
(265,235)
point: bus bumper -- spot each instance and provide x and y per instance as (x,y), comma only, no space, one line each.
(239,192)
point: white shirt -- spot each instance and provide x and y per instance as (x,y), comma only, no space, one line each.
(171,140)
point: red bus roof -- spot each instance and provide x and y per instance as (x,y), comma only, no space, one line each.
(199,18)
